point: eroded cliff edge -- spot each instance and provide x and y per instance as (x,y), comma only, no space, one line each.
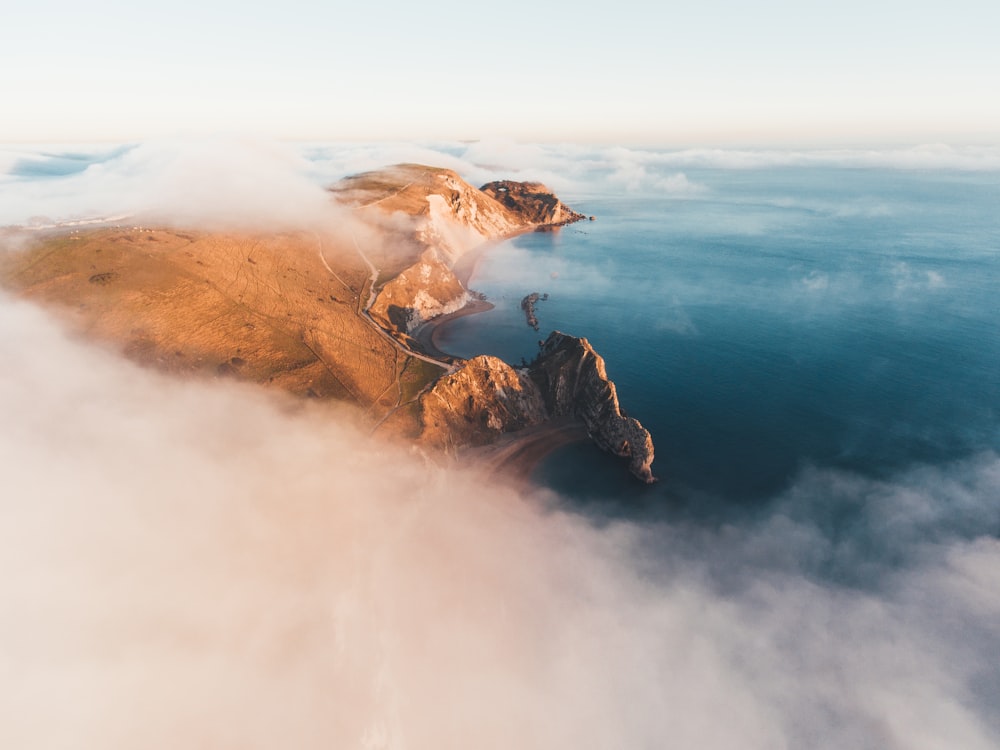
(486,398)
(451,218)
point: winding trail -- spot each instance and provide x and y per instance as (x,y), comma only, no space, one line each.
(363,312)
(322,259)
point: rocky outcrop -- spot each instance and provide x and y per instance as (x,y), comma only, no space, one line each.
(486,398)
(452,217)
(423,291)
(459,217)
(573,381)
(528,306)
(532,201)
(480,401)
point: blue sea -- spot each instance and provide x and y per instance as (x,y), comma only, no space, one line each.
(765,322)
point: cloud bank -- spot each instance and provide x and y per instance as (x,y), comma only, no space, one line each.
(226,181)
(195,563)
(213,183)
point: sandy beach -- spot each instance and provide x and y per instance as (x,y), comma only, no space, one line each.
(426,334)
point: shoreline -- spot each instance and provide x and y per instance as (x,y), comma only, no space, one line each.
(426,334)
(517,454)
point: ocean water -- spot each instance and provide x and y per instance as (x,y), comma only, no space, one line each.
(767,322)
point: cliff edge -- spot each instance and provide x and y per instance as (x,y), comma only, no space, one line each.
(574,382)
(486,398)
(532,201)
(451,217)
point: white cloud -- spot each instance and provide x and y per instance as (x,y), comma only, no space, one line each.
(259,180)
(216,182)
(679,184)
(928,156)
(675,319)
(907,279)
(815,281)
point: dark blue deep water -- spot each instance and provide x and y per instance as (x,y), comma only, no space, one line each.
(769,321)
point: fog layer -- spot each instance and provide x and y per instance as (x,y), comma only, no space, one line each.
(195,564)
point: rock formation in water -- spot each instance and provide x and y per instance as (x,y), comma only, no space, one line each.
(486,398)
(573,381)
(528,306)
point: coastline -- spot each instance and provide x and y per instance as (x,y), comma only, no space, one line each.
(517,454)
(465,267)
(426,334)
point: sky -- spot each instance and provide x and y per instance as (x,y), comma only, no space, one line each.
(669,74)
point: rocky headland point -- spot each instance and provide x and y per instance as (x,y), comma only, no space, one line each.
(323,314)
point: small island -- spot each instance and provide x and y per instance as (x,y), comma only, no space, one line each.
(528,305)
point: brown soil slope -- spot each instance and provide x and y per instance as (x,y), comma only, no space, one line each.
(262,308)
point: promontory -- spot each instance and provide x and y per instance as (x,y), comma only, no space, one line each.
(331,310)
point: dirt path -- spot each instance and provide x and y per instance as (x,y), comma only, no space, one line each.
(363,312)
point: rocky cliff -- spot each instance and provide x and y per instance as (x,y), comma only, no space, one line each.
(486,398)
(483,399)
(423,291)
(573,382)
(532,201)
(452,217)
